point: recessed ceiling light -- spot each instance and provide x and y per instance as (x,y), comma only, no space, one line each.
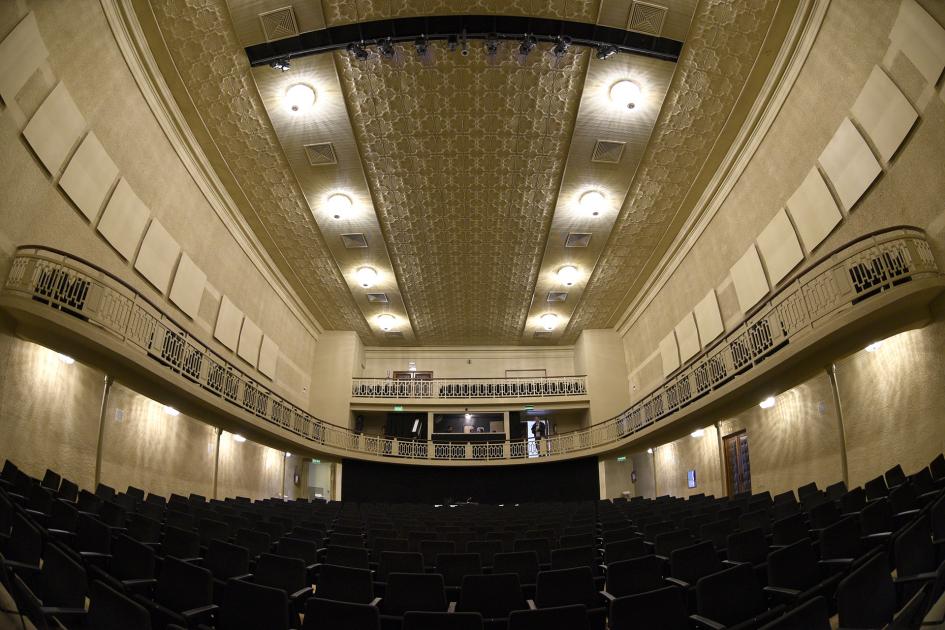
(239,438)
(386,321)
(548,321)
(767,403)
(366,276)
(171,411)
(469,416)
(591,202)
(65,358)
(568,275)
(299,98)
(625,93)
(649,451)
(698,433)
(339,205)
(873,347)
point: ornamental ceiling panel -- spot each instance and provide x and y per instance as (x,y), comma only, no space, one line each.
(339,12)
(464,158)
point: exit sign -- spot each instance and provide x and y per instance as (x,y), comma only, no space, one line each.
(398,407)
(622,458)
(316,461)
(529,407)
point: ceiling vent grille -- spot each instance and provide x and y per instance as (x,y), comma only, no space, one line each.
(377,297)
(577,239)
(354,241)
(557,296)
(394,334)
(321,154)
(647,18)
(542,334)
(279,24)
(608,151)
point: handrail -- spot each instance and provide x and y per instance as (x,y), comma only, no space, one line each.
(867,267)
(536,387)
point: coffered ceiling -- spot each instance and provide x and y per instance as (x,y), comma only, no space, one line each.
(465,172)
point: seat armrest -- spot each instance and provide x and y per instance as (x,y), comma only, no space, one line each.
(607,596)
(243,578)
(704,622)
(780,594)
(203,612)
(452,607)
(918,577)
(677,582)
(376,602)
(301,593)
(731,563)
(662,558)
(59,611)
(23,567)
(531,604)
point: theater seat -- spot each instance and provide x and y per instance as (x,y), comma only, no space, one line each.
(327,614)
(732,598)
(422,620)
(494,597)
(811,615)
(663,608)
(111,610)
(249,606)
(572,586)
(572,617)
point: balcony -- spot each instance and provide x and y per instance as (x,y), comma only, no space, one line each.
(532,388)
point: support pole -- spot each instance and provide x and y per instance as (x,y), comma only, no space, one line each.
(838,408)
(283,476)
(653,466)
(101,428)
(718,435)
(216,462)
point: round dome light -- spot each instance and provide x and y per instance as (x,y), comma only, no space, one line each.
(548,321)
(568,275)
(591,202)
(339,205)
(386,321)
(299,98)
(625,93)
(366,276)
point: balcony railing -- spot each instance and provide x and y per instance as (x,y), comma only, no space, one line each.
(451,388)
(871,266)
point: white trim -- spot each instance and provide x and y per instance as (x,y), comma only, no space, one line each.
(133,45)
(791,59)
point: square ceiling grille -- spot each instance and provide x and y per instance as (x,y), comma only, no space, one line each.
(394,334)
(279,23)
(354,241)
(608,151)
(647,18)
(577,239)
(542,334)
(557,296)
(377,297)
(320,154)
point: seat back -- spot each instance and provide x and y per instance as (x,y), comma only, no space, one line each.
(748,546)
(354,557)
(494,596)
(345,540)
(455,566)
(877,517)
(913,549)
(668,542)
(624,549)
(790,529)
(93,535)
(256,542)
(691,563)
(68,490)
(541,546)
(414,591)
(629,577)
(180,543)
(425,620)
(328,614)
(111,610)
(51,480)
(399,562)
(937,467)
(730,596)
(212,529)
(841,540)
(876,488)
(794,566)
(345,584)
(144,529)
(522,563)
(486,550)
(305,550)
(280,572)
(867,597)
(574,557)
(63,516)
(183,586)
(814,614)
(247,606)
(566,586)
(894,476)
(131,560)
(824,515)
(63,579)
(572,617)
(853,501)
(663,608)
(586,539)
(226,560)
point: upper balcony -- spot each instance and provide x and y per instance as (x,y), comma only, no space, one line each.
(558,388)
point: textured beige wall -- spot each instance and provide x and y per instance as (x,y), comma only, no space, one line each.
(617,477)
(470,362)
(675,459)
(84,55)
(248,469)
(336,361)
(599,355)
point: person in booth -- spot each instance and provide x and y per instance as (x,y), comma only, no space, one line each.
(538,432)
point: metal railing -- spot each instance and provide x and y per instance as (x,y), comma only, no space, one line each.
(863,269)
(452,388)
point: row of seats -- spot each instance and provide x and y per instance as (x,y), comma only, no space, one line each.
(743,561)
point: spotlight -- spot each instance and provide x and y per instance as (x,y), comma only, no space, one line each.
(873,347)
(767,403)
(548,321)
(358,51)
(65,358)
(562,44)
(649,451)
(452,42)
(299,98)
(463,44)
(171,411)
(568,275)
(606,51)
(528,44)
(492,45)
(366,276)
(698,433)
(386,48)
(238,437)
(288,454)
(625,93)
(386,321)
(420,44)
(468,416)
(282,65)
(339,205)
(591,202)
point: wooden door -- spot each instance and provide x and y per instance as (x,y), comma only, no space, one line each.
(737,463)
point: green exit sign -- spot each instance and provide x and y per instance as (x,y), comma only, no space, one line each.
(622,458)
(316,461)
(529,407)
(398,407)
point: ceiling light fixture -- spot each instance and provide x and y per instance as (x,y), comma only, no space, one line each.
(528,44)
(606,51)
(238,437)
(767,403)
(386,321)
(492,45)
(649,451)
(698,433)
(625,93)
(171,411)
(299,98)
(568,275)
(339,205)
(591,202)
(562,44)
(65,358)
(282,65)
(420,44)
(358,51)
(873,347)
(548,321)
(288,454)
(366,276)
